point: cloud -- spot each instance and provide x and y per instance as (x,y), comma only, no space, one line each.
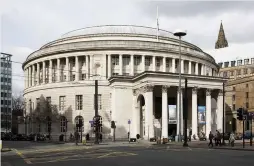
(28,24)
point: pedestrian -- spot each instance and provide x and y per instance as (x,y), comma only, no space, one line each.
(76,137)
(210,139)
(100,137)
(232,139)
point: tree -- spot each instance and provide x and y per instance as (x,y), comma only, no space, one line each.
(18,107)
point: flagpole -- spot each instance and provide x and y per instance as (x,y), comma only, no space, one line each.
(157,24)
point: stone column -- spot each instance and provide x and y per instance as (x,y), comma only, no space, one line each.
(194,112)
(149,127)
(208,112)
(58,70)
(164,64)
(67,69)
(143,63)
(189,72)
(219,111)
(202,69)
(132,65)
(50,70)
(38,73)
(196,68)
(173,66)
(182,66)
(87,67)
(33,75)
(77,69)
(120,64)
(26,77)
(43,72)
(164,111)
(135,123)
(154,63)
(29,76)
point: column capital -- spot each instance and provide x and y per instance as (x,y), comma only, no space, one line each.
(195,90)
(135,92)
(148,88)
(208,92)
(165,88)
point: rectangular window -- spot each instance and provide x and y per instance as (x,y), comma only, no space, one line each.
(167,62)
(148,61)
(239,62)
(238,72)
(79,102)
(232,73)
(126,74)
(126,60)
(252,60)
(158,62)
(233,107)
(247,95)
(246,61)
(137,60)
(115,60)
(233,97)
(233,88)
(73,77)
(61,103)
(115,74)
(247,85)
(225,74)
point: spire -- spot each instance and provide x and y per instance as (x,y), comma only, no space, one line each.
(222,41)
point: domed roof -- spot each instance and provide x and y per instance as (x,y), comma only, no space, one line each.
(118,29)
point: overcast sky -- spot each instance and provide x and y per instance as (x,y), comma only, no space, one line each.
(28,24)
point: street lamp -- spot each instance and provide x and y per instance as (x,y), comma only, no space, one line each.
(179,33)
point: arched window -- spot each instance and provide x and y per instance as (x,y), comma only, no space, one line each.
(63,124)
(77,119)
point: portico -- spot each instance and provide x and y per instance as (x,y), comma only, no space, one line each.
(152,98)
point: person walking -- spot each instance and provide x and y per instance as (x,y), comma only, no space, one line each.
(76,137)
(232,139)
(210,139)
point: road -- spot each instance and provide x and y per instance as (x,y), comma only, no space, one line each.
(126,156)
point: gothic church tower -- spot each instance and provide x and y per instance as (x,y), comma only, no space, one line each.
(222,41)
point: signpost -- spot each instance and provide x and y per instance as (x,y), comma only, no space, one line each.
(129,122)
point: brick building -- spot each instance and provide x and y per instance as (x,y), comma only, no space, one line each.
(239,90)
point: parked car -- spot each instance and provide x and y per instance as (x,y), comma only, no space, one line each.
(21,137)
(247,134)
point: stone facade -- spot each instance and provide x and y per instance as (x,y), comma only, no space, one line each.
(131,68)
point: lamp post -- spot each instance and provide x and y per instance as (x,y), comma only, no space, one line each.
(179,33)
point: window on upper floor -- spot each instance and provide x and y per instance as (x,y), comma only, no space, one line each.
(99,101)
(48,99)
(148,61)
(246,61)
(247,85)
(233,107)
(225,74)
(158,62)
(167,62)
(239,62)
(239,72)
(126,60)
(61,103)
(83,76)
(126,74)
(252,70)
(115,74)
(79,102)
(232,73)
(220,64)
(226,64)
(252,60)
(232,63)
(137,60)
(247,104)
(115,60)
(233,88)
(247,95)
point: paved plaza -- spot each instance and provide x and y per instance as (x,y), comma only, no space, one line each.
(148,155)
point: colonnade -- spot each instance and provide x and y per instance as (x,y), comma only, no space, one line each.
(147,92)
(78,68)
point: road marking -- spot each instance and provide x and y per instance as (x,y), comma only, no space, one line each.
(121,154)
(189,148)
(23,157)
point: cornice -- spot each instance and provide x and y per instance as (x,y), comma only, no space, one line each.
(116,45)
(239,81)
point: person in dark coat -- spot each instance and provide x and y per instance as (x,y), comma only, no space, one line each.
(210,139)
(100,137)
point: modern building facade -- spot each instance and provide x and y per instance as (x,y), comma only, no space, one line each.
(6,92)
(239,90)
(138,80)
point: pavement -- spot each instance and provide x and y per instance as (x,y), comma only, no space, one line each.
(121,153)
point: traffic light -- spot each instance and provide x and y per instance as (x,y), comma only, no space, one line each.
(240,114)
(113,125)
